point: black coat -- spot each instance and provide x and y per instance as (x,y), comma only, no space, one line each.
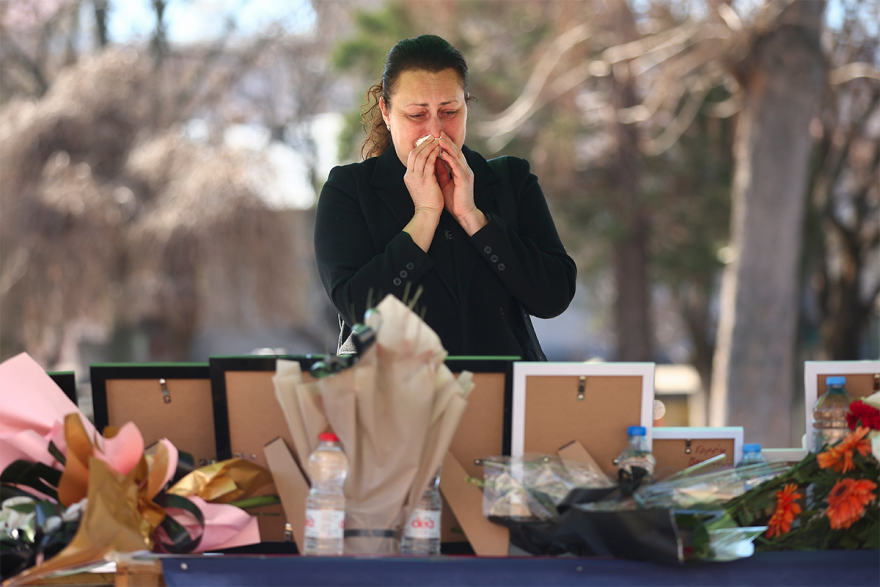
(470,283)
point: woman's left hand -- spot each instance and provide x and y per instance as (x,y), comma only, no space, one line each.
(457,185)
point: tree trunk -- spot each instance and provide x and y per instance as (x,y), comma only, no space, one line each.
(101,22)
(753,380)
(632,309)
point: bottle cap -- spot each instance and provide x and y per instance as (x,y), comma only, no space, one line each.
(838,380)
(328,437)
(753,447)
(636,430)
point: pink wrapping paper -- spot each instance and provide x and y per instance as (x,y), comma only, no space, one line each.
(32,413)
(226,526)
(32,410)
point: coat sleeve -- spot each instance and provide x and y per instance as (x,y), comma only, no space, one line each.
(355,263)
(529,259)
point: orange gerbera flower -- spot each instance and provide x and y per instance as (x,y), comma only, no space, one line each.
(840,456)
(786,510)
(847,501)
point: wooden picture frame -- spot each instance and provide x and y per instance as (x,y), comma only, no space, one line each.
(247,417)
(862,380)
(484,430)
(594,403)
(164,400)
(66,380)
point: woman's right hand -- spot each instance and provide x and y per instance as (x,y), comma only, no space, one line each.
(420,178)
(421,181)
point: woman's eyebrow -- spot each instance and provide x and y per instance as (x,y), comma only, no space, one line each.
(441,103)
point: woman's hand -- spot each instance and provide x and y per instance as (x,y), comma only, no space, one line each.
(457,186)
(425,192)
(420,179)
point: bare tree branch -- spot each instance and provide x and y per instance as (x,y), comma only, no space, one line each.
(679,124)
(852,71)
(524,105)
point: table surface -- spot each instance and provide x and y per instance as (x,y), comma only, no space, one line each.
(850,568)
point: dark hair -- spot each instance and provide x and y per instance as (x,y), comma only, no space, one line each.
(425,52)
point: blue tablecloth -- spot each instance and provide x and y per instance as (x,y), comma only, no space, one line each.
(850,568)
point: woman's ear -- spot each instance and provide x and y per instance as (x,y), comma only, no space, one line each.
(385,114)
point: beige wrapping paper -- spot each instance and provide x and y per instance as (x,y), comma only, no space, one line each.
(395,412)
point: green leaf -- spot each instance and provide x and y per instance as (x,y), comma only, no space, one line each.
(256,502)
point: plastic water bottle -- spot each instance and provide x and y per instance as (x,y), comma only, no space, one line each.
(636,453)
(325,506)
(753,475)
(421,534)
(829,414)
(751,456)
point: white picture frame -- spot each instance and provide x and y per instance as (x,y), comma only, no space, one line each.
(523,370)
(704,432)
(788,455)
(813,370)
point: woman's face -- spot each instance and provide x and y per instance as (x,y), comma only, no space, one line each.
(425,103)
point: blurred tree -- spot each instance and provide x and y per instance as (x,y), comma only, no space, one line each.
(116,225)
(36,40)
(843,217)
(754,368)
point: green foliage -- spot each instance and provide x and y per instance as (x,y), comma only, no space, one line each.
(375,33)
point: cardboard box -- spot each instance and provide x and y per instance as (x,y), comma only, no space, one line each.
(594,403)
(164,400)
(677,448)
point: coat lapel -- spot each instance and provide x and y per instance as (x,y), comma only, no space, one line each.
(387,180)
(485,185)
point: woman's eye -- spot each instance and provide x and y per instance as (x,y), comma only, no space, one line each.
(416,116)
(450,113)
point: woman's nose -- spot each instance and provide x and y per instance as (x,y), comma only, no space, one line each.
(434,126)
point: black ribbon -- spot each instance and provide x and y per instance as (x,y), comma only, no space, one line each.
(37,476)
(181,541)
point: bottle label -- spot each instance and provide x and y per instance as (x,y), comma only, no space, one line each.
(423,524)
(325,524)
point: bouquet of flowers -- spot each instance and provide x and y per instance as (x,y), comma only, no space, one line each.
(73,498)
(828,500)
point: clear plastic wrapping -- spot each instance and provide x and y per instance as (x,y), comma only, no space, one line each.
(713,488)
(530,487)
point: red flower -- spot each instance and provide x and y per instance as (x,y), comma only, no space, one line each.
(786,510)
(847,501)
(861,414)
